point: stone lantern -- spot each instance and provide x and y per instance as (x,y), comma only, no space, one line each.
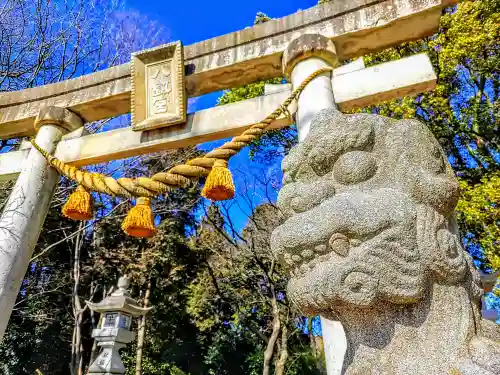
(489,280)
(113,332)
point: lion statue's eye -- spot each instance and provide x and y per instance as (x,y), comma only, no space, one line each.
(319,161)
(354,167)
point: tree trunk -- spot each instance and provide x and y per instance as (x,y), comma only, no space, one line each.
(93,352)
(312,343)
(317,347)
(95,348)
(320,355)
(72,363)
(141,332)
(268,353)
(280,365)
(76,346)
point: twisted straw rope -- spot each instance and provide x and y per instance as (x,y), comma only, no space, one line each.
(179,175)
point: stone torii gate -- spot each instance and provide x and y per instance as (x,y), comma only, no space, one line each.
(298,44)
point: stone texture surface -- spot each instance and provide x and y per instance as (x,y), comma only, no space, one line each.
(158,87)
(58,116)
(306,46)
(370,239)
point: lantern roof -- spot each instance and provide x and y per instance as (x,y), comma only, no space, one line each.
(120,301)
(489,280)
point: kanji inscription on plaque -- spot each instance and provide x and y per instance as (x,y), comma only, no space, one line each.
(158,94)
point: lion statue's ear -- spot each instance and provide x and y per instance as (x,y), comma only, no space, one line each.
(439,243)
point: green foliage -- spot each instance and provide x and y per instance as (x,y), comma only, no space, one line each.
(233,298)
(275,142)
(231,351)
(261,18)
(201,294)
(304,362)
(479,213)
(249,91)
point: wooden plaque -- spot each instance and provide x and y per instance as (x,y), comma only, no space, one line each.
(158,94)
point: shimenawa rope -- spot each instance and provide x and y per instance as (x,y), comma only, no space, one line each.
(213,165)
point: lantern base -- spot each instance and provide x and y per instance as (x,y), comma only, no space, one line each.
(108,361)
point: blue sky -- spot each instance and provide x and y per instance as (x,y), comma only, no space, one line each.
(195,20)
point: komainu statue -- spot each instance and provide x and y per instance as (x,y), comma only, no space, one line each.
(371,240)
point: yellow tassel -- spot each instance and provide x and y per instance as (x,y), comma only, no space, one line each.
(139,221)
(219,184)
(79,205)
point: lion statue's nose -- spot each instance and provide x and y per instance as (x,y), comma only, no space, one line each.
(354,213)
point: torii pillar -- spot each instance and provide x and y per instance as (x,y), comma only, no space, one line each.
(304,56)
(24,213)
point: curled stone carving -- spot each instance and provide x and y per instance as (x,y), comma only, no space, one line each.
(370,239)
